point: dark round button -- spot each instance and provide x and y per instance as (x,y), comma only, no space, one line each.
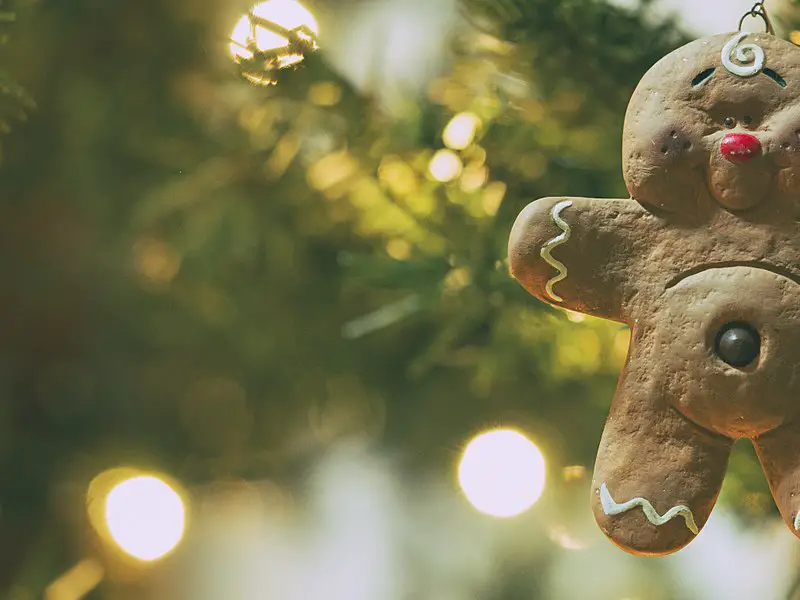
(738,344)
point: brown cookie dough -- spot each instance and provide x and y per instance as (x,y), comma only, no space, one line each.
(703,262)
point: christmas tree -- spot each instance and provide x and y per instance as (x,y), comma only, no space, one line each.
(221,264)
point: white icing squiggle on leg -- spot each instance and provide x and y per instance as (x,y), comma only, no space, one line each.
(797,521)
(610,507)
(555,213)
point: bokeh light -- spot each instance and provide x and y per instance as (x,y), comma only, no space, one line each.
(287,14)
(502,473)
(445,166)
(460,131)
(145,517)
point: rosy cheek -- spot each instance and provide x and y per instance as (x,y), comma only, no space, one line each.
(784,139)
(790,143)
(674,144)
(669,146)
(785,149)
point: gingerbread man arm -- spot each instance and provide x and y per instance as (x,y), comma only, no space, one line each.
(578,253)
(779,452)
(657,475)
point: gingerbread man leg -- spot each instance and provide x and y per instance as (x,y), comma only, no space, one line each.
(657,475)
(779,452)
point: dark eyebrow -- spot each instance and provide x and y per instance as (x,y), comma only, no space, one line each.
(774,76)
(701,77)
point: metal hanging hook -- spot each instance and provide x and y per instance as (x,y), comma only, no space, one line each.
(758,10)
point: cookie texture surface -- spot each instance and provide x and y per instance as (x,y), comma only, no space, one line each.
(703,263)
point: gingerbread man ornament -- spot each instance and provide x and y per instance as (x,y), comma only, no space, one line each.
(703,263)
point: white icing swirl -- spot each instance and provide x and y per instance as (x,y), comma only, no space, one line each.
(749,57)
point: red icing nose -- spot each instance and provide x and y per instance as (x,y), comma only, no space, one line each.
(740,147)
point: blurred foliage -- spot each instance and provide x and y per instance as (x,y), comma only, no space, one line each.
(219,279)
(785,17)
(14,100)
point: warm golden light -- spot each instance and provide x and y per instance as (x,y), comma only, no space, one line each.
(502,473)
(287,14)
(561,536)
(575,317)
(460,131)
(493,197)
(77,582)
(445,166)
(474,177)
(156,261)
(145,517)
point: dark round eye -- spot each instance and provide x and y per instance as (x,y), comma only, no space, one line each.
(729,122)
(738,344)
(747,120)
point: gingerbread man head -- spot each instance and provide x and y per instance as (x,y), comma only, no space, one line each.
(703,262)
(716,123)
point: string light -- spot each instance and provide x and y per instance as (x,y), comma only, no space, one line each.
(273,35)
(141,514)
(502,473)
(146,517)
(461,130)
(445,166)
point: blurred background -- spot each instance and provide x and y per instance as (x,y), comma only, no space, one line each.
(258,339)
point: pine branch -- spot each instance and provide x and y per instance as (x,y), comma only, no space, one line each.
(15,102)
(605,48)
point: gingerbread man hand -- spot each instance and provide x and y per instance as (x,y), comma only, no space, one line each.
(703,262)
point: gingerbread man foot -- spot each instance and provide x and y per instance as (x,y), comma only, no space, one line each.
(657,474)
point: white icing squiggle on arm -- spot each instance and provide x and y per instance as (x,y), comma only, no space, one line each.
(612,508)
(563,238)
(797,521)
(749,56)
